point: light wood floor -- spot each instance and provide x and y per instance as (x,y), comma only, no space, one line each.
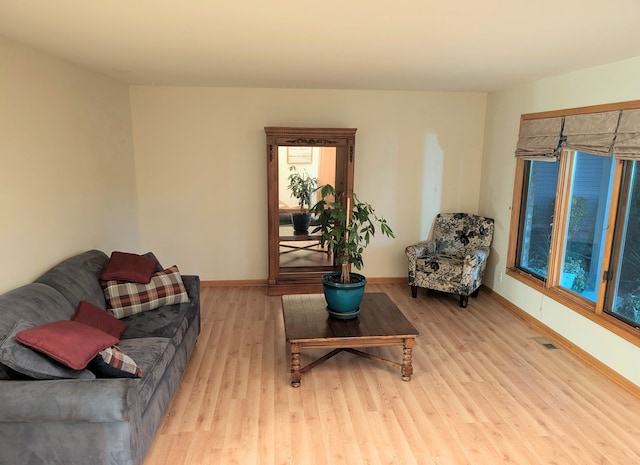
(483,393)
(302,258)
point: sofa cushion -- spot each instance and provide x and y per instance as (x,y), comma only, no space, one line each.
(91,315)
(113,363)
(31,363)
(126,298)
(153,355)
(123,266)
(77,278)
(33,302)
(10,373)
(69,342)
(170,321)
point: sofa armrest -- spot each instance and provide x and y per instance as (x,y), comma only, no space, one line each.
(192,285)
(95,400)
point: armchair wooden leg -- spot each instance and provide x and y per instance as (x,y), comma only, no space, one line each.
(414,291)
(464,300)
(475,293)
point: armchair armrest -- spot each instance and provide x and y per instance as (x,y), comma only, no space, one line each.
(420,249)
(416,251)
(475,257)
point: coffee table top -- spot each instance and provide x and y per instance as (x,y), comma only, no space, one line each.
(287,234)
(306,317)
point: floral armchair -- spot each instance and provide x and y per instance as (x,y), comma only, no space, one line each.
(455,259)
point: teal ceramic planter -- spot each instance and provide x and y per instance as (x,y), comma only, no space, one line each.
(301,222)
(343,300)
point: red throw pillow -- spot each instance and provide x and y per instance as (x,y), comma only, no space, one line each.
(71,343)
(130,267)
(91,315)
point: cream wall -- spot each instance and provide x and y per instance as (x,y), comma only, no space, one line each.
(201,167)
(66,180)
(605,84)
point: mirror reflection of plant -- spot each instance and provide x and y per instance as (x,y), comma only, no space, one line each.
(302,187)
(346,228)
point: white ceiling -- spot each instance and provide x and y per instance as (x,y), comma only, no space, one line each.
(433,45)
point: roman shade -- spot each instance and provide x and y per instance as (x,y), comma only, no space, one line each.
(539,139)
(627,143)
(593,133)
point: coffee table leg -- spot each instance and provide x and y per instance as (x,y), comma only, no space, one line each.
(407,368)
(295,365)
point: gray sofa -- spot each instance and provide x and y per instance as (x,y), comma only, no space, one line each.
(92,421)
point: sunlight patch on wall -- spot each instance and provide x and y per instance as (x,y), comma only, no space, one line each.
(431,183)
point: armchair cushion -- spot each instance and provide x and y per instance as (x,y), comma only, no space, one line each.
(456,233)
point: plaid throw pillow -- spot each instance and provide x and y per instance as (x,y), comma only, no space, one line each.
(127,298)
(113,363)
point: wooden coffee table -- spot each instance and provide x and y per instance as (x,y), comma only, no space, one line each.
(307,325)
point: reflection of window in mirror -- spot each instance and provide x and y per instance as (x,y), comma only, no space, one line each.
(318,162)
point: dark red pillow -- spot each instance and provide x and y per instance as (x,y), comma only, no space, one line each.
(69,342)
(130,267)
(91,315)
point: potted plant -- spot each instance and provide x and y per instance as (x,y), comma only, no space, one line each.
(302,187)
(346,227)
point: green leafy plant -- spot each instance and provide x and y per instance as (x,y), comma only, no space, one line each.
(302,187)
(346,227)
(579,210)
(574,266)
(630,306)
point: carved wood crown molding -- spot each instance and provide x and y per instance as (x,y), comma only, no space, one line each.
(303,141)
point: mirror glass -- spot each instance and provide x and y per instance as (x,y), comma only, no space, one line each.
(300,250)
(296,259)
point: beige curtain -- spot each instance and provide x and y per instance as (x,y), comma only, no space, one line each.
(592,132)
(627,143)
(539,139)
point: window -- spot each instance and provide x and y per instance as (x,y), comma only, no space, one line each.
(623,296)
(584,234)
(536,220)
(575,232)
